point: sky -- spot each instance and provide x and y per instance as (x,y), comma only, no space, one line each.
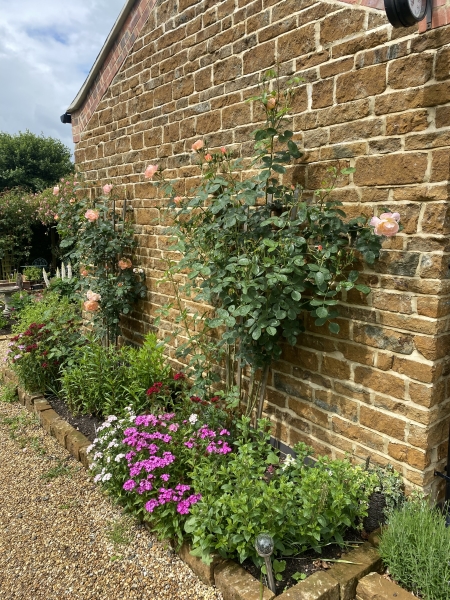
(47,48)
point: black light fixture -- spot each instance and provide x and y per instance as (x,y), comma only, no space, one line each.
(66,118)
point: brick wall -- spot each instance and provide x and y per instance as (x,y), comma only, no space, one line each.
(374,98)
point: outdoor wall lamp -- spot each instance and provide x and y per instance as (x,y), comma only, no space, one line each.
(66,118)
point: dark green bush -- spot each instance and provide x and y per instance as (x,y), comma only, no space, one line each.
(416,549)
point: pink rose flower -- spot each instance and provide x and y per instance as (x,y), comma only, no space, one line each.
(208,157)
(198,145)
(177,200)
(92,215)
(56,217)
(107,189)
(72,201)
(84,272)
(150,171)
(223,150)
(90,295)
(56,190)
(386,224)
(91,305)
(271,103)
(125,263)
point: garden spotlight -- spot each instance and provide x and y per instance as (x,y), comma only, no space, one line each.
(264,547)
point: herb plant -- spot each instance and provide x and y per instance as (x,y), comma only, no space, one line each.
(416,549)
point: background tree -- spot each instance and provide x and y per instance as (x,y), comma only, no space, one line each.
(32,162)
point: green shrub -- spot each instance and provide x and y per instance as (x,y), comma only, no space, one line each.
(33,273)
(48,332)
(19,301)
(416,549)
(300,506)
(103,381)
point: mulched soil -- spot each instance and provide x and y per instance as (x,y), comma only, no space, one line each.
(309,562)
(88,425)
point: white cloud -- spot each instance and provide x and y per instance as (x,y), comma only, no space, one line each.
(47,48)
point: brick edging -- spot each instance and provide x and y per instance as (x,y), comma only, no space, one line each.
(341,582)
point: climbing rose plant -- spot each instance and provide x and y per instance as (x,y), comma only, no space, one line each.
(99,240)
(261,252)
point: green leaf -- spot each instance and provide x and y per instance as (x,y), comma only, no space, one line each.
(322,312)
(271,331)
(296,296)
(334,327)
(363,288)
(319,278)
(256,334)
(278,168)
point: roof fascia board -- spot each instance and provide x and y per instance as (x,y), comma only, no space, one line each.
(81,96)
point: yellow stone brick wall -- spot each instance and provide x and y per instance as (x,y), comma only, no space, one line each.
(374,98)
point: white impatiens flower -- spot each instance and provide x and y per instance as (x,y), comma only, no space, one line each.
(193,419)
(106,477)
(119,457)
(90,448)
(98,455)
(288,461)
(97,478)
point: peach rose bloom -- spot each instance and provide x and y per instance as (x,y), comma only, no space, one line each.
(198,145)
(150,171)
(208,157)
(107,189)
(56,190)
(92,215)
(386,224)
(223,150)
(91,305)
(84,272)
(90,295)
(125,263)
(271,103)
(72,201)
(177,200)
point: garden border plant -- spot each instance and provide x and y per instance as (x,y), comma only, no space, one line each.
(259,254)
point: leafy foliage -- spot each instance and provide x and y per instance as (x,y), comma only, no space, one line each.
(31,161)
(101,245)
(300,506)
(416,549)
(104,381)
(258,251)
(48,332)
(17,215)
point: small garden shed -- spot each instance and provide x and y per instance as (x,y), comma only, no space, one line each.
(374,98)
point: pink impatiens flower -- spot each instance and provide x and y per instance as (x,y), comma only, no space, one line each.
(386,224)
(150,171)
(198,145)
(92,215)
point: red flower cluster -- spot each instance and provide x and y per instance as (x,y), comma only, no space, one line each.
(179,376)
(155,389)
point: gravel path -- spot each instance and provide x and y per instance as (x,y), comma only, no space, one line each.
(61,538)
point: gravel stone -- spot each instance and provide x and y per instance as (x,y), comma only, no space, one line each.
(54,540)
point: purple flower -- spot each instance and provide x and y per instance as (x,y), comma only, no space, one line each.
(129,485)
(151,505)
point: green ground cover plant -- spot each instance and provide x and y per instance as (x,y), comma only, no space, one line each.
(300,506)
(415,546)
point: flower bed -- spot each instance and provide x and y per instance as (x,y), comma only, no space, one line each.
(337,583)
